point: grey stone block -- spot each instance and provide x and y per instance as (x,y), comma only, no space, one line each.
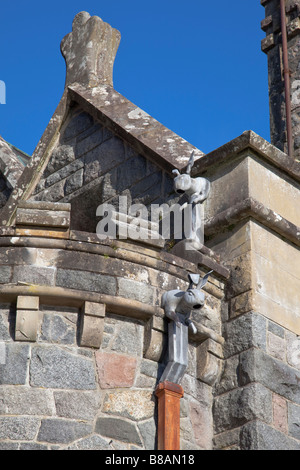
(16,255)
(148,433)
(118,429)
(101,159)
(53,367)
(9,445)
(131,289)
(77,405)
(61,156)
(18,428)
(91,443)
(257,366)
(149,368)
(96,127)
(64,172)
(259,436)
(14,369)
(293,350)
(78,124)
(5,274)
(32,446)
(25,401)
(230,376)
(34,275)
(128,339)
(59,431)
(245,332)
(73,182)
(294,421)
(235,408)
(150,185)
(57,329)
(83,280)
(90,141)
(4,325)
(228,439)
(130,172)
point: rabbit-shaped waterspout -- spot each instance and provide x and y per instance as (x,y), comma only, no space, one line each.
(197,190)
(178,306)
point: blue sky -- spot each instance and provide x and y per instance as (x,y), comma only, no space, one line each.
(195,66)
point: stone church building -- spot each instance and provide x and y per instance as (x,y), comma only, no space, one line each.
(83,335)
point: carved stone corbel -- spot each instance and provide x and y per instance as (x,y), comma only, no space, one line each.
(27,317)
(92,324)
(209,361)
(154,339)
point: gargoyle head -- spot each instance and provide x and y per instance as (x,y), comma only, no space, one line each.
(182,183)
(194,297)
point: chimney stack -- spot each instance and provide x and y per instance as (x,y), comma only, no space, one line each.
(284,72)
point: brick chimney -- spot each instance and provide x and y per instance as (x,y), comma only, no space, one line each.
(272,45)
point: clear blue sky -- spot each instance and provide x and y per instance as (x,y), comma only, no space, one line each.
(196,66)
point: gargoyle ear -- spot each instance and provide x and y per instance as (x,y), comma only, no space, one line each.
(175,172)
(194,280)
(204,280)
(190,164)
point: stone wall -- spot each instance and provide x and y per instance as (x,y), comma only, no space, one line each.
(90,166)
(60,396)
(253,225)
(257,401)
(82,344)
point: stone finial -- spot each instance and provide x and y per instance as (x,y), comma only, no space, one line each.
(89,51)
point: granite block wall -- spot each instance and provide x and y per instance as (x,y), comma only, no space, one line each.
(257,401)
(83,345)
(55,395)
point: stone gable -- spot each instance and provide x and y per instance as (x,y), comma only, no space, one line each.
(90,165)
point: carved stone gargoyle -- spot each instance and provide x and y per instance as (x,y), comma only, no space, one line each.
(178,306)
(197,190)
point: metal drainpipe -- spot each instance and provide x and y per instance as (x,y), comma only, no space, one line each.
(286,79)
